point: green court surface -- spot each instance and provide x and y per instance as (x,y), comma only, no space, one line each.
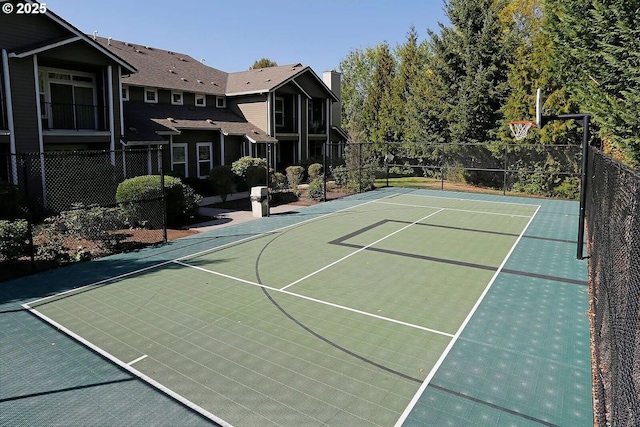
(394,307)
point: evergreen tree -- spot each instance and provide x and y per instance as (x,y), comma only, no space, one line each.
(468,71)
(378,108)
(263,63)
(595,54)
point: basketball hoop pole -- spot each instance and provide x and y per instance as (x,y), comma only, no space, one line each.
(583,120)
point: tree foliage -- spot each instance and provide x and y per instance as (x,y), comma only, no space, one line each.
(263,63)
(467,80)
(595,47)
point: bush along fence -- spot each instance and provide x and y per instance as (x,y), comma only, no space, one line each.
(535,169)
(62,207)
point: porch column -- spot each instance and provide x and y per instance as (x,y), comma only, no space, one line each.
(12,131)
(112,124)
(43,178)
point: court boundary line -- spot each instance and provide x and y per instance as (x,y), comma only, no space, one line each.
(447,350)
(127,367)
(319,301)
(457,210)
(413,194)
(196,254)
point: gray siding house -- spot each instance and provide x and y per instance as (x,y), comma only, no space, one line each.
(59,89)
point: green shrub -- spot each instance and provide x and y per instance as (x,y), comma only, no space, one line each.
(256,175)
(94,223)
(355,180)
(140,198)
(10,201)
(278,181)
(221,178)
(249,164)
(294,177)
(14,239)
(51,245)
(316,189)
(315,171)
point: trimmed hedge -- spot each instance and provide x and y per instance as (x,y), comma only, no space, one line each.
(140,201)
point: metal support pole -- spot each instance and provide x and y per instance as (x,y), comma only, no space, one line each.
(326,147)
(583,185)
(268,166)
(163,196)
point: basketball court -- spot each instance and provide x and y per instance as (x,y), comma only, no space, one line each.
(393,307)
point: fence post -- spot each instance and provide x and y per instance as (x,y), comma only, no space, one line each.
(506,167)
(326,147)
(25,178)
(163,200)
(583,185)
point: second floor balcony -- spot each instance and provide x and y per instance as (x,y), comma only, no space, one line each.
(64,116)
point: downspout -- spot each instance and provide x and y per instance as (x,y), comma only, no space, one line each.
(12,131)
(120,102)
(112,123)
(43,178)
(221,148)
(299,153)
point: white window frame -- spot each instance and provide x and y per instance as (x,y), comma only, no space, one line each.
(185,146)
(210,146)
(222,104)
(155,95)
(46,79)
(277,112)
(125,93)
(203,97)
(173,94)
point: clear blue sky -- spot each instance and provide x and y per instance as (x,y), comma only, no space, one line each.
(232,34)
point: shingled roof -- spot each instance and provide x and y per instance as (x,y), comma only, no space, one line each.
(144,121)
(166,69)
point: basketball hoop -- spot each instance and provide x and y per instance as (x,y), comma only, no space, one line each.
(519,128)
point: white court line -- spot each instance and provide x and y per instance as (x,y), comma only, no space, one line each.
(443,356)
(361,249)
(466,200)
(235,242)
(330,304)
(137,360)
(457,210)
(130,369)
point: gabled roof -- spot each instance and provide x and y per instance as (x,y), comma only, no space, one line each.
(166,69)
(75,36)
(146,122)
(267,79)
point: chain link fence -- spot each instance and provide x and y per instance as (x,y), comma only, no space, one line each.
(64,207)
(534,169)
(613,243)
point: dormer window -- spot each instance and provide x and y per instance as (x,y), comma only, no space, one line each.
(221,102)
(151,95)
(176,98)
(201,100)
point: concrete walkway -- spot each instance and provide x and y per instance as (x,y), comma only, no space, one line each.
(226,217)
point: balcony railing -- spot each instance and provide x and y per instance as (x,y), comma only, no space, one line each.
(74,116)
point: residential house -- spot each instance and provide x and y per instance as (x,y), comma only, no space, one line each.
(59,89)
(208,117)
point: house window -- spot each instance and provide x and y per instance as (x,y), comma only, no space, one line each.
(151,95)
(279,109)
(221,102)
(125,93)
(205,158)
(201,100)
(68,99)
(317,123)
(176,98)
(180,159)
